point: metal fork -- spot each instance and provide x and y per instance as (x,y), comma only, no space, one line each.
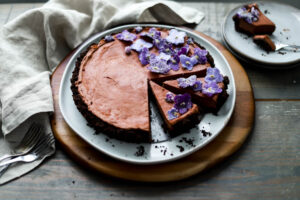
(28,142)
(39,152)
(290,46)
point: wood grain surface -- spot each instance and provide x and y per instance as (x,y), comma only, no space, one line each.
(229,140)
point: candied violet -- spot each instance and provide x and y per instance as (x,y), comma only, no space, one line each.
(213,75)
(166,48)
(139,44)
(144,56)
(176,37)
(188,62)
(190,40)
(128,50)
(173,113)
(183,102)
(164,56)
(173,62)
(109,38)
(170,97)
(197,86)
(200,55)
(138,29)
(152,33)
(249,17)
(126,36)
(187,82)
(211,88)
(158,65)
(183,50)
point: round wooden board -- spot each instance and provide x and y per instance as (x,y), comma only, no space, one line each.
(231,138)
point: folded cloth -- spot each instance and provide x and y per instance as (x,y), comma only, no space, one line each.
(33,44)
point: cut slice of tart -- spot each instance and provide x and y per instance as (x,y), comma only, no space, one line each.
(177,119)
(250,20)
(265,42)
(208,103)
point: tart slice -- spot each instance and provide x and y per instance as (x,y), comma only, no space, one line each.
(210,96)
(250,20)
(178,112)
(265,42)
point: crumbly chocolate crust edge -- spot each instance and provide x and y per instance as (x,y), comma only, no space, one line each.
(100,126)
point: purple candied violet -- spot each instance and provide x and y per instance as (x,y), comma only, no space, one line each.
(164,56)
(158,65)
(144,56)
(213,75)
(176,37)
(138,29)
(188,62)
(200,55)
(166,48)
(128,50)
(126,36)
(254,12)
(183,50)
(109,38)
(211,88)
(190,41)
(158,42)
(249,17)
(152,33)
(197,86)
(139,44)
(173,113)
(170,97)
(183,102)
(187,82)
(173,62)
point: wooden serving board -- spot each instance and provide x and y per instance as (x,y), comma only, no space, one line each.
(225,144)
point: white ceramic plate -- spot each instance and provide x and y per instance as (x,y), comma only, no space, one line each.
(287,21)
(158,152)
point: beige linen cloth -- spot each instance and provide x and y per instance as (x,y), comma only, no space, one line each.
(33,44)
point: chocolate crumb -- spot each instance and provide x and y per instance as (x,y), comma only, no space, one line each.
(263,54)
(266,12)
(140,151)
(156,146)
(106,139)
(181,149)
(171,154)
(73,182)
(113,145)
(189,141)
(282,53)
(205,133)
(287,38)
(165,151)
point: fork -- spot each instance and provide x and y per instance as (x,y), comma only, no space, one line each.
(28,142)
(40,151)
(281,46)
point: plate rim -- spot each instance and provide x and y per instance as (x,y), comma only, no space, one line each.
(146,161)
(245,55)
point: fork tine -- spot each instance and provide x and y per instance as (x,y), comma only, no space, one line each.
(35,136)
(31,134)
(43,143)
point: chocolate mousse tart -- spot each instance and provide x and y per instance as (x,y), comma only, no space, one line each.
(110,82)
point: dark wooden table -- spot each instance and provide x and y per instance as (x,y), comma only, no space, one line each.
(266,167)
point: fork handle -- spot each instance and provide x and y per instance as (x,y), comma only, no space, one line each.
(14,160)
(5,157)
(3,169)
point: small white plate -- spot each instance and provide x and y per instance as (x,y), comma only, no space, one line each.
(287,21)
(158,152)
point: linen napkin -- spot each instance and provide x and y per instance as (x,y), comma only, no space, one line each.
(33,44)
